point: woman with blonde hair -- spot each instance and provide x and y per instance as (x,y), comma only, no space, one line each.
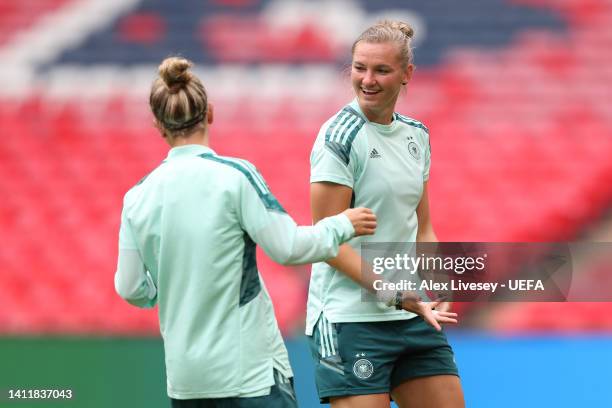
(369,155)
(187,243)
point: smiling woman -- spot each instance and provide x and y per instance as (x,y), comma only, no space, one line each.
(378,80)
(369,155)
(382,64)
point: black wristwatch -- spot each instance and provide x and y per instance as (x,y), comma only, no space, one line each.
(399,298)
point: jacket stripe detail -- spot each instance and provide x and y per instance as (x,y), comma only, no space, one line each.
(250,285)
(254,179)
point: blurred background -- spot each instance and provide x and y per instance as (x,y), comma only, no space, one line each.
(517,95)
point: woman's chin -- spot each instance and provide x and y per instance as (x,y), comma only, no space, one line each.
(369,101)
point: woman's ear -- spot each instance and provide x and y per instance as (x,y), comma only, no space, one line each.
(210,115)
(408,74)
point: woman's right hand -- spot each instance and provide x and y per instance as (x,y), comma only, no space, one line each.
(363,220)
(427,310)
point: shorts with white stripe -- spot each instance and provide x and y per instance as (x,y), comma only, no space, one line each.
(363,358)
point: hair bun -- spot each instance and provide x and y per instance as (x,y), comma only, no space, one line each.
(403,27)
(174,71)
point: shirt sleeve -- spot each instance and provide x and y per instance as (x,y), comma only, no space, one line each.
(427,155)
(333,162)
(132,281)
(267,223)
(126,237)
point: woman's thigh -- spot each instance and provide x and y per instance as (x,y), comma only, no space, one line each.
(436,391)
(361,401)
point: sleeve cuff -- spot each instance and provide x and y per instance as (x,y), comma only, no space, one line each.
(331,179)
(348,231)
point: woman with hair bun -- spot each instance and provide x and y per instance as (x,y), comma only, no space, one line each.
(369,155)
(187,243)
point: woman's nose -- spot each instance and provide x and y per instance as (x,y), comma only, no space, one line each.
(369,79)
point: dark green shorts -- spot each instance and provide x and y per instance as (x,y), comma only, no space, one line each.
(282,395)
(375,357)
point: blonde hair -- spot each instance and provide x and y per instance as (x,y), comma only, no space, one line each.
(178,99)
(390,31)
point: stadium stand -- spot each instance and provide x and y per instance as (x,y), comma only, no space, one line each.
(517,96)
(16,17)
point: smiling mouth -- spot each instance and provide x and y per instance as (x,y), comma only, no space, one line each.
(369,92)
